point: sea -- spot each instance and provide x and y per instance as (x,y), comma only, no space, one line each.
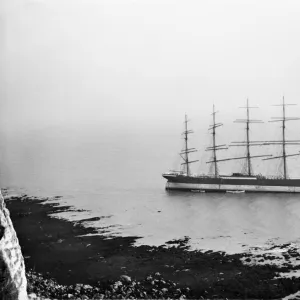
(114,171)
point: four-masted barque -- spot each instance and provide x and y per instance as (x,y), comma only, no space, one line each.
(236,182)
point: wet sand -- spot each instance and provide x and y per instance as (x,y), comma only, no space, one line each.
(59,249)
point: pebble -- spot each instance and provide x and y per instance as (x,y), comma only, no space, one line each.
(32,296)
(125,278)
(117,284)
(125,288)
(87,287)
(98,296)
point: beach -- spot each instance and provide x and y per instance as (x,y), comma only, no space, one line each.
(69,253)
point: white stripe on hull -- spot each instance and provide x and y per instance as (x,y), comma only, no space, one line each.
(227,187)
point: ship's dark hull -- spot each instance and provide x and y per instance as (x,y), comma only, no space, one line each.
(231,183)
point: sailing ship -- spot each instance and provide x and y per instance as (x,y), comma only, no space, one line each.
(245,181)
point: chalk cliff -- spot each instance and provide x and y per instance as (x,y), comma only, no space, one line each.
(13,283)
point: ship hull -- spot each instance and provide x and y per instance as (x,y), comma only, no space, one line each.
(232,184)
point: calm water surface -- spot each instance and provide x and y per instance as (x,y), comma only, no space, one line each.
(116,172)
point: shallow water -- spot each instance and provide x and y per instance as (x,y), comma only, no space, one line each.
(116,173)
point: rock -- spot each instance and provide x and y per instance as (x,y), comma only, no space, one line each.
(32,296)
(125,278)
(13,279)
(84,297)
(98,296)
(78,287)
(164,290)
(117,284)
(70,296)
(87,287)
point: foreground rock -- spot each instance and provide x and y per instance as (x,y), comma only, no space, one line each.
(12,271)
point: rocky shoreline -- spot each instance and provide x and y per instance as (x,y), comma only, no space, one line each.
(152,287)
(65,260)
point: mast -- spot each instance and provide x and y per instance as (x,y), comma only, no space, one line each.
(215,147)
(284,142)
(247,143)
(186,147)
(185,152)
(214,142)
(283,139)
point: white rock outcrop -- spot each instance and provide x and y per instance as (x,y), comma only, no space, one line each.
(13,283)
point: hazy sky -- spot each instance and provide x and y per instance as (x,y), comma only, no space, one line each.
(71,61)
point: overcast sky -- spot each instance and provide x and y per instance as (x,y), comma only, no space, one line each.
(86,61)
